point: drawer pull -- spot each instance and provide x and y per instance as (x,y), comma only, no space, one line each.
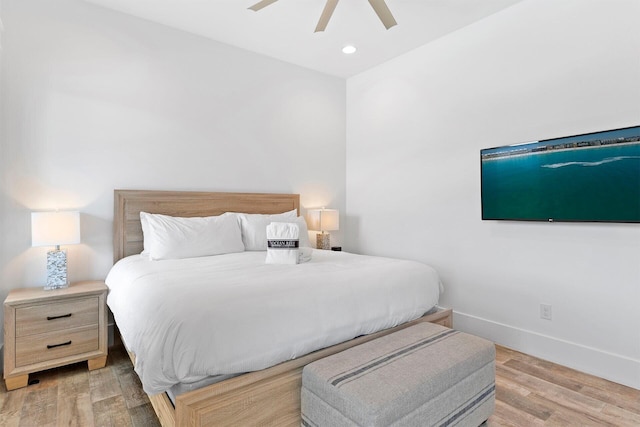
(50,346)
(58,317)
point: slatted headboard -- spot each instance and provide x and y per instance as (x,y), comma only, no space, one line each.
(127,238)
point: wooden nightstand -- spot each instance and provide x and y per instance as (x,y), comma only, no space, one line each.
(47,329)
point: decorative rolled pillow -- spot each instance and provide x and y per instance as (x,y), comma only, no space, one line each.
(282,243)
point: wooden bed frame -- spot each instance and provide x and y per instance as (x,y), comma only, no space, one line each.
(270,397)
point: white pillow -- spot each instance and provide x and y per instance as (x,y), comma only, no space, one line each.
(167,237)
(254,228)
(304,233)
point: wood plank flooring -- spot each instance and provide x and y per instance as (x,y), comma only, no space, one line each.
(532,392)
(529,392)
(74,396)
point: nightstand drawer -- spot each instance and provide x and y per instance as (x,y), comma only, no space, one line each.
(56,345)
(57,316)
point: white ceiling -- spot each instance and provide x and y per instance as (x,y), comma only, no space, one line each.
(284,30)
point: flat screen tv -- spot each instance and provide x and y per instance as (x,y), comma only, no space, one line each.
(592,177)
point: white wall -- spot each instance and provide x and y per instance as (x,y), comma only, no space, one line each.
(415,126)
(95,100)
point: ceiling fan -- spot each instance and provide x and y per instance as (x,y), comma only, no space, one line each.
(379,6)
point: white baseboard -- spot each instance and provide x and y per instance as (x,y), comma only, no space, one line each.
(613,367)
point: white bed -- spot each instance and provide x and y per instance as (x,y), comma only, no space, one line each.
(326,308)
(193,318)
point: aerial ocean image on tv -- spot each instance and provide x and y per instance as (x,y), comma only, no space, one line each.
(591,177)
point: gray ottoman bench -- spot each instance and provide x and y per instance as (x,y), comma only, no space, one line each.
(424,375)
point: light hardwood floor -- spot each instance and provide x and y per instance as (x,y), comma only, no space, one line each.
(530,392)
(74,396)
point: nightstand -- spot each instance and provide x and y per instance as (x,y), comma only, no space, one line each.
(47,329)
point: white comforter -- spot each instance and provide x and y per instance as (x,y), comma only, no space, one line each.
(193,318)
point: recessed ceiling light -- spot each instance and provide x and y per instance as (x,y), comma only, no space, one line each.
(349,49)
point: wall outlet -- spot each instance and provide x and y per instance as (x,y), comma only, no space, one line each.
(545,311)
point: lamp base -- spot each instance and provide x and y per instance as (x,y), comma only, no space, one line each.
(323,241)
(56,270)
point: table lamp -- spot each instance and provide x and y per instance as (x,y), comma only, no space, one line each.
(323,220)
(55,229)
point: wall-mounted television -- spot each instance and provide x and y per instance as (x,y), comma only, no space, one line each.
(592,177)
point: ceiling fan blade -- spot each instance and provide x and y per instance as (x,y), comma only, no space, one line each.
(262,4)
(383,13)
(329,7)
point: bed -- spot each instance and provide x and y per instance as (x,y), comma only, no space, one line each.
(269,396)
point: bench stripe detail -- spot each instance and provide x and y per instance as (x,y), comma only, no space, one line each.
(481,397)
(395,355)
(307,422)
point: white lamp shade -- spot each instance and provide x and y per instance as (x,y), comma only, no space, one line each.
(55,228)
(324,219)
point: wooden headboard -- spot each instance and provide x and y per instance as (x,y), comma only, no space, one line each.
(127,237)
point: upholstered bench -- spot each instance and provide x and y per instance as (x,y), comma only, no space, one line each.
(424,375)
